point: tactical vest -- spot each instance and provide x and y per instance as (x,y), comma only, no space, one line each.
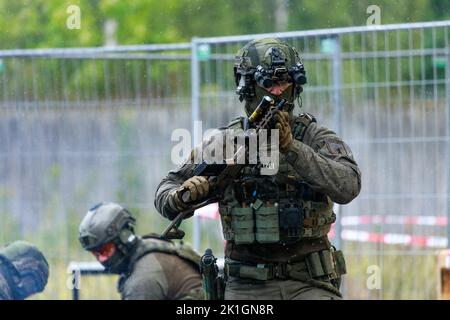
(274,209)
(151,245)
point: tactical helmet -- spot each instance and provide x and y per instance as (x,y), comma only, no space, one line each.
(108,223)
(27,268)
(262,61)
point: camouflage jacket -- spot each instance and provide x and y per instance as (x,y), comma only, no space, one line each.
(160,275)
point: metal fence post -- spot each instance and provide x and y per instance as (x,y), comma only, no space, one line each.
(336,101)
(75,290)
(447,101)
(195,116)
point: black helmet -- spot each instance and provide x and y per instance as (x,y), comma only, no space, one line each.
(109,223)
(259,63)
(25,268)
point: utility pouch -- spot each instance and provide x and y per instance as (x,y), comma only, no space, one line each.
(340,262)
(314,265)
(267,226)
(321,265)
(291,223)
(242,224)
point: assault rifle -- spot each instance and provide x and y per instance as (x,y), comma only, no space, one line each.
(220,175)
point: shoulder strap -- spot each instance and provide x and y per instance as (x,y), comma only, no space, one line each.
(188,254)
(155,245)
(302,123)
(235,123)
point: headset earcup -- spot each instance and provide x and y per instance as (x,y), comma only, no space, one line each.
(127,237)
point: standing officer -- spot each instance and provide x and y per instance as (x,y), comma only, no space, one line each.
(276,226)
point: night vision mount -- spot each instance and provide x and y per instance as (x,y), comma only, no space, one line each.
(265,77)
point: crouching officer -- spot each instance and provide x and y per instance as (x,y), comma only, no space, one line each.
(149,268)
(23,271)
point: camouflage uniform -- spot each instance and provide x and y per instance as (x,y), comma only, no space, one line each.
(160,270)
(23,271)
(276,226)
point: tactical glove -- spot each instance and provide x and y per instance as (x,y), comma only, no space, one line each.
(197,188)
(285,133)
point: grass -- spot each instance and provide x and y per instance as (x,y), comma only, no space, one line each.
(404,274)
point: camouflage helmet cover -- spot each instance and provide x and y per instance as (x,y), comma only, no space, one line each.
(258,52)
(27,266)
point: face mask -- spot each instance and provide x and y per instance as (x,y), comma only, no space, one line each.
(112,259)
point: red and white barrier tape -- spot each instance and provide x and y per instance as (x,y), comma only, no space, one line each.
(395,238)
(391,219)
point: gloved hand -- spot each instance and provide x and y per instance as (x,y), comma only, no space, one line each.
(197,188)
(285,133)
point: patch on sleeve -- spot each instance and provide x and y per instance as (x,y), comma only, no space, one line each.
(335,146)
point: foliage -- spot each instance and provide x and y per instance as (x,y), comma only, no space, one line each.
(42,23)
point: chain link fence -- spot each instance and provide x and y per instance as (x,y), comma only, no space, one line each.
(79,126)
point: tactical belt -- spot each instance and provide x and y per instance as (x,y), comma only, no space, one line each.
(322,265)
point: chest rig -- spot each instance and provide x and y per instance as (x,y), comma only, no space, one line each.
(150,244)
(275,209)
